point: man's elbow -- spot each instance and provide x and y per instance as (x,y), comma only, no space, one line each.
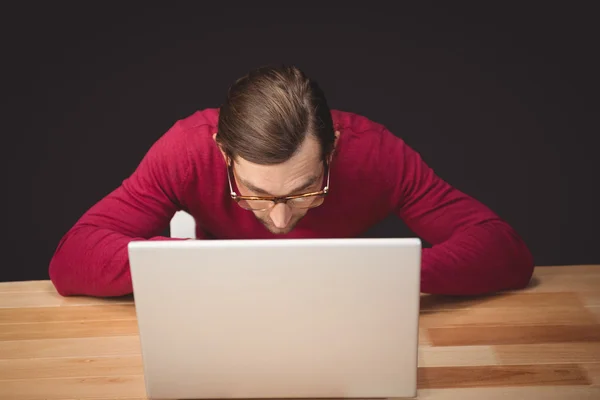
(527,270)
(522,276)
(71,278)
(67,275)
(520,267)
(61,277)
(510,262)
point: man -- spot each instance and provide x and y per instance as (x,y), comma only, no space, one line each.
(275,162)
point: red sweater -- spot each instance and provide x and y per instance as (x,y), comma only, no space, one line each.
(373,175)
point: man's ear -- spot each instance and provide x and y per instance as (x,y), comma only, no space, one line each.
(227,161)
(335,142)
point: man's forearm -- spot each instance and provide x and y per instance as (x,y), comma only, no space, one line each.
(480,259)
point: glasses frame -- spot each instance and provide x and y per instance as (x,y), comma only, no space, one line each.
(276,199)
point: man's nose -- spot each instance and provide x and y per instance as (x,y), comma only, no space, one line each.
(281,215)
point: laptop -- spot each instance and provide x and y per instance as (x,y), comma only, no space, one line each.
(281,318)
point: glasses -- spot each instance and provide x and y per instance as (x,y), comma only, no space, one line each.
(265,203)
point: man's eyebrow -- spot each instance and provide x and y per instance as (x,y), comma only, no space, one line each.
(308,183)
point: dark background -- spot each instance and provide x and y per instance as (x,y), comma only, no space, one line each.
(499,101)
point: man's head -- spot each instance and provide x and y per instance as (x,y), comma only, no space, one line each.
(276,133)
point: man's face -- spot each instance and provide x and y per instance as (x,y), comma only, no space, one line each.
(302,173)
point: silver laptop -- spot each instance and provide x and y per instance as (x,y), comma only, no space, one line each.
(299,318)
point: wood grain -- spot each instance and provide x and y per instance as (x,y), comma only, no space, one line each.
(498,335)
(591,298)
(596,311)
(549,353)
(51,299)
(76,347)
(74,388)
(524,316)
(62,330)
(27,287)
(566,270)
(424,337)
(34,368)
(504,300)
(593,371)
(508,393)
(513,393)
(539,343)
(457,356)
(67,314)
(109,398)
(573,282)
(493,375)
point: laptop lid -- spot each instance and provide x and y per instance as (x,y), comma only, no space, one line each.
(300,318)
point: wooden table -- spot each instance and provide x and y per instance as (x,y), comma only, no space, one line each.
(540,343)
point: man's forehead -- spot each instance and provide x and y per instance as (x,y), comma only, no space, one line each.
(280,179)
(298,172)
(306,159)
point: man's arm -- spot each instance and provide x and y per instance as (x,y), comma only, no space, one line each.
(473,250)
(92,258)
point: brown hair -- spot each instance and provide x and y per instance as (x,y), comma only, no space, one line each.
(269,112)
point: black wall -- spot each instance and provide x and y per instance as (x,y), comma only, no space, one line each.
(500,101)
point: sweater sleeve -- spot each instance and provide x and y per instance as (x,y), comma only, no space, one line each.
(473,250)
(92,257)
